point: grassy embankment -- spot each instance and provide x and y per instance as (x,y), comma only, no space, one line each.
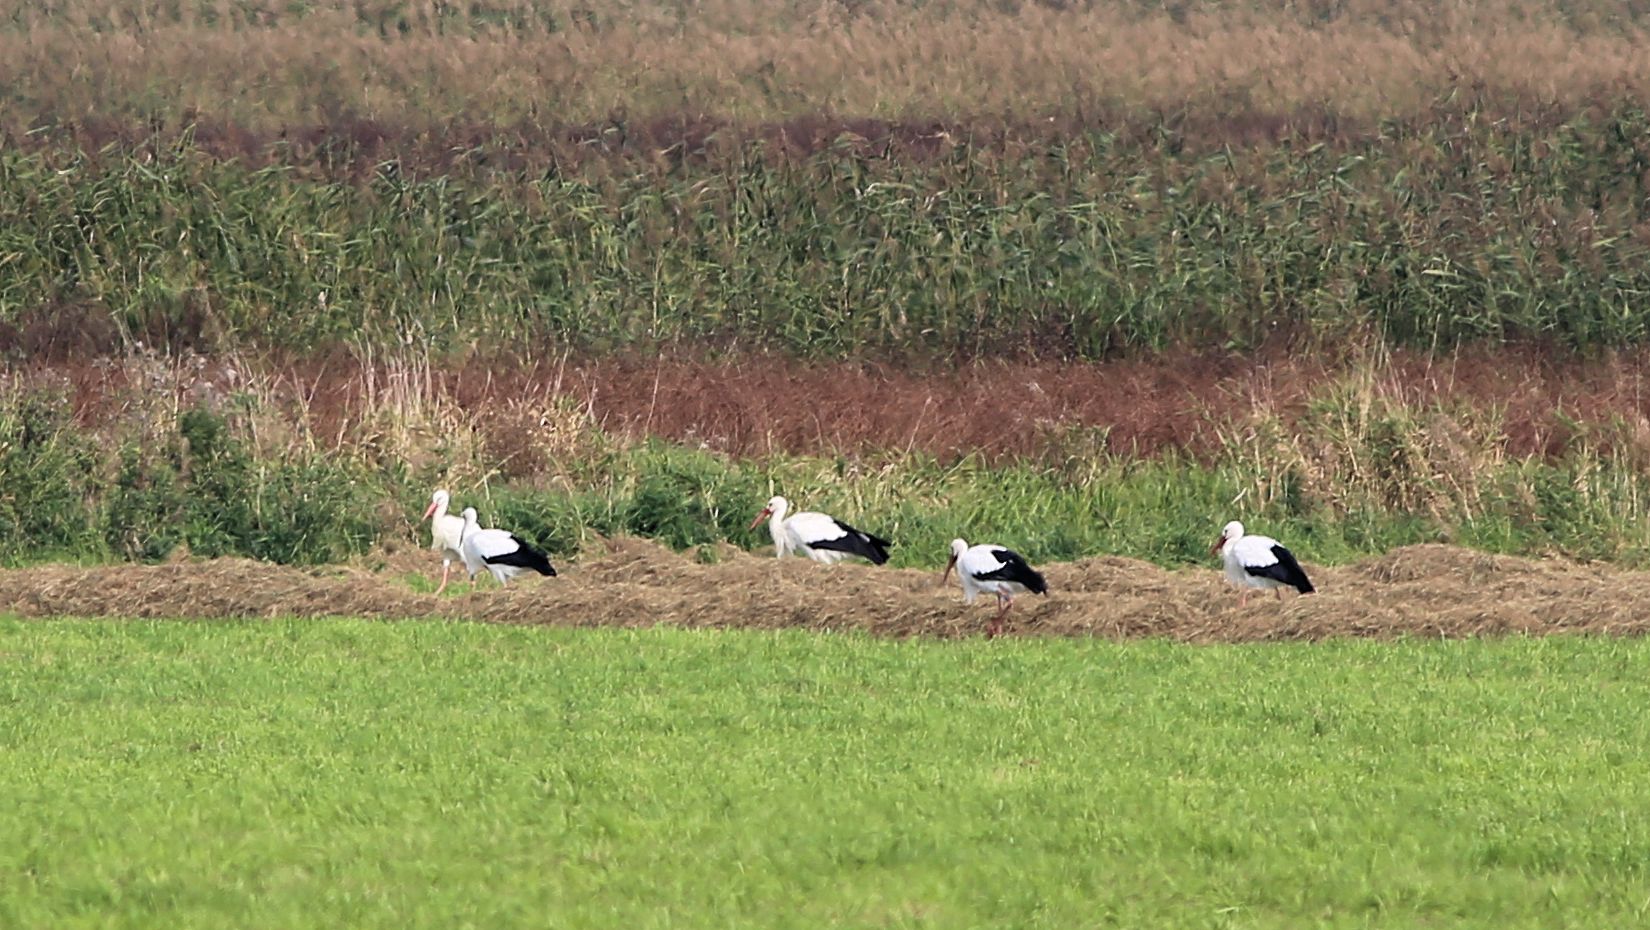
(253,471)
(417,774)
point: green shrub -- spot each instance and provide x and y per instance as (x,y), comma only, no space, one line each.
(218,505)
(685,498)
(48,479)
(313,512)
(143,517)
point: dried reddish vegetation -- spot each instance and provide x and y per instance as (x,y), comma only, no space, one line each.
(756,406)
(1432,591)
(357,148)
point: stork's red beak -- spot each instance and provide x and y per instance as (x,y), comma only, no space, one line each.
(428,512)
(766,512)
(946,575)
(1215,549)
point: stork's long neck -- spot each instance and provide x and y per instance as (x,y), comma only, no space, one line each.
(776,529)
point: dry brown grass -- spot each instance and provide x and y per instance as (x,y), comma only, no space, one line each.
(252,73)
(1429,591)
(1460,414)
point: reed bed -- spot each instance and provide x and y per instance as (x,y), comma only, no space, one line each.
(897,181)
(1436,232)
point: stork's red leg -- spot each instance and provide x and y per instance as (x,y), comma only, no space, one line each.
(996,628)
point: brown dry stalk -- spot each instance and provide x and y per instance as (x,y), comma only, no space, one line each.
(262,70)
(517,418)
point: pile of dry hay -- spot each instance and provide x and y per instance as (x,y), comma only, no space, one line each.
(1432,591)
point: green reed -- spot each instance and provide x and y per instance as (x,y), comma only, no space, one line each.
(1450,230)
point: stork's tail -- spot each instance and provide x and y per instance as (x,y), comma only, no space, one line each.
(876,548)
(1035,584)
(540,563)
(525,557)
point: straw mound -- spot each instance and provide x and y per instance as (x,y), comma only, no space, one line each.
(1432,590)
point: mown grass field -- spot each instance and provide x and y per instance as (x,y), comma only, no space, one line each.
(430,775)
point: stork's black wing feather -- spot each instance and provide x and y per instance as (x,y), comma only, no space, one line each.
(1285,570)
(855,542)
(525,556)
(1014,568)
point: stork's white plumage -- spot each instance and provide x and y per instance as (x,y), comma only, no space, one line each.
(446,534)
(499,551)
(988,569)
(817,536)
(1258,562)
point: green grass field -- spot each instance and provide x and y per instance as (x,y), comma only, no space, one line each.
(428,775)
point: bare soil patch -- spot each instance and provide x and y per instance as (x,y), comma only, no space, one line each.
(1429,591)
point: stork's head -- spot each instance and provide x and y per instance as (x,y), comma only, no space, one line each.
(1233,530)
(438,501)
(958,547)
(469,516)
(776,507)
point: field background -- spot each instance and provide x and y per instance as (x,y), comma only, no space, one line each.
(1084,279)
(1080,278)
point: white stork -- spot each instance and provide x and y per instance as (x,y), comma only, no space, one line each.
(817,536)
(1258,562)
(992,570)
(446,534)
(500,552)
